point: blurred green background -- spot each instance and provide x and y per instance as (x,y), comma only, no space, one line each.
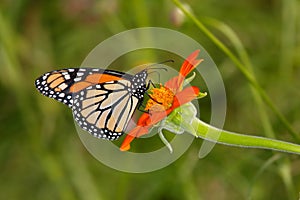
(41,155)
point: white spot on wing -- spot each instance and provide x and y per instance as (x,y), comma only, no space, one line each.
(63,86)
(77,79)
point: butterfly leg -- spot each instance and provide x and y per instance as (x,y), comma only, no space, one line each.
(141,105)
(148,86)
(150,83)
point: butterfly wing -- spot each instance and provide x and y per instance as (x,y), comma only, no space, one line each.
(62,84)
(101,100)
(56,84)
(105,109)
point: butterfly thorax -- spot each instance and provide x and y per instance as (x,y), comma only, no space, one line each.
(139,87)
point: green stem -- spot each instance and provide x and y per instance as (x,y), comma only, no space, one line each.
(207,132)
(240,66)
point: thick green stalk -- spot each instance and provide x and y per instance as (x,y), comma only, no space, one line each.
(207,132)
(184,118)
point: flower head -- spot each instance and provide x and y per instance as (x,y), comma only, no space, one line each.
(163,95)
(164,99)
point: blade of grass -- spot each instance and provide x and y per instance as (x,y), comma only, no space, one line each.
(55,174)
(241,51)
(285,173)
(80,175)
(241,67)
(267,164)
(268,130)
(288,38)
(288,47)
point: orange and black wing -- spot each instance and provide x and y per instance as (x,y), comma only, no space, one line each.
(105,109)
(102,101)
(62,84)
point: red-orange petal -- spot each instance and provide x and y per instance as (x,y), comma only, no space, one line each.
(189,62)
(144,120)
(175,83)
(136,132)
(188,65)
(126,143)
(172,84)
(185,96)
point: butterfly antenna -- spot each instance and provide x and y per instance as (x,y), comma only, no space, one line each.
(167,61)
(158,74)
(160,68)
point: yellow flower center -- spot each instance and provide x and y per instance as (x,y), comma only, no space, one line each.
(162,99)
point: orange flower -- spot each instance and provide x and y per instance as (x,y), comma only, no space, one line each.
(170,96)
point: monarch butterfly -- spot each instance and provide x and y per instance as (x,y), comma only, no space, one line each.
(102,101)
